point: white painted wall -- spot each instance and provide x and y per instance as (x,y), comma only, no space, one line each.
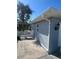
(48,37)
(43,33)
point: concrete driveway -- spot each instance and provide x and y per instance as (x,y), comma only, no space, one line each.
(27,49)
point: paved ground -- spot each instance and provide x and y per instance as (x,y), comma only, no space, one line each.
(27,49)
(49,57)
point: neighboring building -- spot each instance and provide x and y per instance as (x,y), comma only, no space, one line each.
(46,29)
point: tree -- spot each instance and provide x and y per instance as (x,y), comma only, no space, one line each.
(24,12)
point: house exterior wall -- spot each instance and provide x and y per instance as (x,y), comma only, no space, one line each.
(45,32)
(54,36)
(33,30)
(42,33)
(59,41)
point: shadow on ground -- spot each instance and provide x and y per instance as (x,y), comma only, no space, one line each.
(37,42)
(57,53)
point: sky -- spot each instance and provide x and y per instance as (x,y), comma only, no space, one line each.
(39,6)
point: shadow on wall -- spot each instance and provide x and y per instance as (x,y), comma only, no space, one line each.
(57,53)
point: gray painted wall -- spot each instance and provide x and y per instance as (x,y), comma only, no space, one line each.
(59,41)
(54,36)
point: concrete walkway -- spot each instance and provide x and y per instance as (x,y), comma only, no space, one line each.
(49,57)
(28,49)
